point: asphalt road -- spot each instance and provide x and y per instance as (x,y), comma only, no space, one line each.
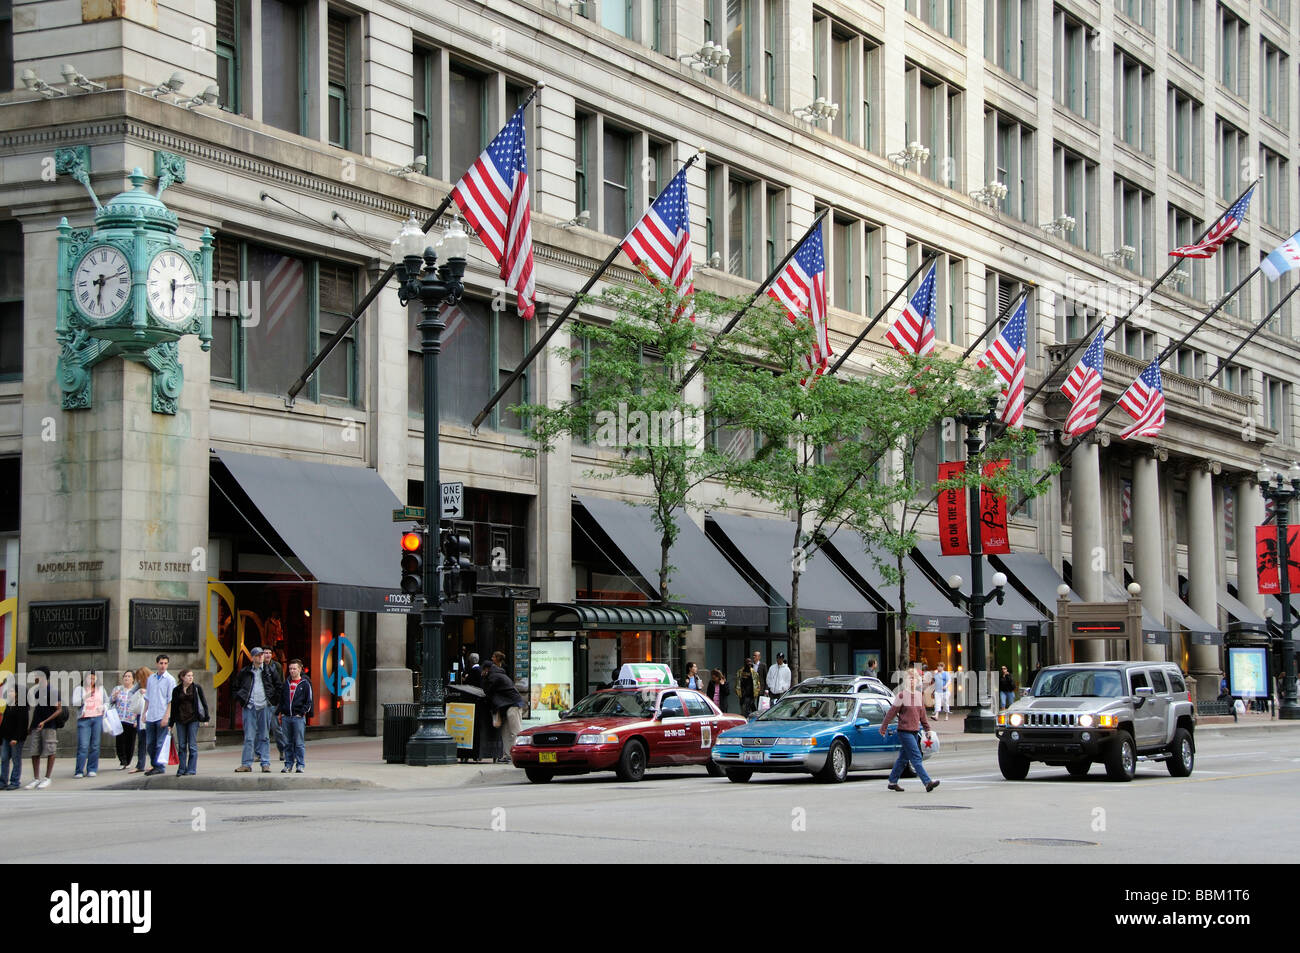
(1238,807)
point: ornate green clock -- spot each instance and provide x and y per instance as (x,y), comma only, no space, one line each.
(129,286)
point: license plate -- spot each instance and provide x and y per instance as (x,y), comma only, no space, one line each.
(751,757)
(546,757)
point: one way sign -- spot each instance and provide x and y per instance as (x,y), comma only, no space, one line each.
(453,501)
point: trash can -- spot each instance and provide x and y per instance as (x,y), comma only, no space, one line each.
(399,724)
(483,739)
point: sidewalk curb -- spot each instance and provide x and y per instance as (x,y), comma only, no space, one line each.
(262,783)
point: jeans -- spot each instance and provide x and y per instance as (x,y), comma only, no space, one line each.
(909,753)
(187,747)
(11,754)
(89,731)
(154,735)
(1006,698)
(141,743)
(295,733)
(256,726)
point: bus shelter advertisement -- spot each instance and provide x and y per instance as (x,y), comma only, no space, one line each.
(551,679)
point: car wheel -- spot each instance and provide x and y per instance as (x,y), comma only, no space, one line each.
(1121,761)
(1078,769)
(739,775)
(539,775)
(1014,767)
(715,771)
(1183,754)
(632,762)
(837,764)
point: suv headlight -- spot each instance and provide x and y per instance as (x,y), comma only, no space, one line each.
(802,742)
(1085,721)
(598,739)
(1015,719)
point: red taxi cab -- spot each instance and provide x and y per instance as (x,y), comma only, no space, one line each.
(625,730)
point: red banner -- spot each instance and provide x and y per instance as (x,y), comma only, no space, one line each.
(953,536)
(1266,558)
(993,514)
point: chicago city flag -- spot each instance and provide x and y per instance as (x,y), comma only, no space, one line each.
(1144,401)
(913,332)
(1007,358)
(1282,259)
(1083,388)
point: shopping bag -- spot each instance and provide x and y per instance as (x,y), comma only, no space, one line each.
(112,722)
(165,750)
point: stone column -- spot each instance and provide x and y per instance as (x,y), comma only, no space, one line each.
(1249,514)
(1203,660)
(1087,551)
(1148,543)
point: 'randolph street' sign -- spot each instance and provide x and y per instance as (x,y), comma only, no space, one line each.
(79,625)
(158,624)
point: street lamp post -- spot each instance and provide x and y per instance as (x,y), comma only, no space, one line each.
(420,277)
(1282,492)
(985,721)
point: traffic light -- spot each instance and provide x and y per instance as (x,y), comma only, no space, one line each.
(457,563)
(413,562)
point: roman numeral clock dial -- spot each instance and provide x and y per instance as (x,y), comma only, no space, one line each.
(101,283)
(171,287)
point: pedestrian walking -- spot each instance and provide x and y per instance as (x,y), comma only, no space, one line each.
(873,670)
(747,688)
(295,708)
(90,698)
(693,678)
(778,677)
(256,692)
(189,710)
(909,706)
(13,733)
(48,716)
(718,690)
(942,698)
(120,701)
(158,709)
(507,704)
(137,709)
(1006,688)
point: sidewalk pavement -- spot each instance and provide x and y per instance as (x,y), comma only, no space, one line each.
(356,763)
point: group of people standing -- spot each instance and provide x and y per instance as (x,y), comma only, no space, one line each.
(273,706)
(754,682)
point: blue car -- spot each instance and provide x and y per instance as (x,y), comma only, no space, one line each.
(826,736)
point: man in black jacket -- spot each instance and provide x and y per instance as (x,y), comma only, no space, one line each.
(257,690)
(506,702)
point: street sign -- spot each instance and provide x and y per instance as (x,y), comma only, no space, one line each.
(407,513)
(453,501)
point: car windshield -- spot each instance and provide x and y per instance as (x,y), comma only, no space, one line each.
(1075,683)
(827,688)
(810,709)
(628,704)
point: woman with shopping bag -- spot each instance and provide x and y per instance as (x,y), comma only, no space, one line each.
(119,706)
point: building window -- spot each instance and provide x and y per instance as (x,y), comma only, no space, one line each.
(1009,159)
(616,181)
(1184,143)
(11,300)
(1275,188)
(1275,83)
(1139,343)
(1234,52)
(1134,225)
(272,311)
(941,15)
(606,159)
(1233,160)
(467,120)
(775,227)
(1076,195)
(1280,9)
(1272,293)
(284,63)
(1133,106)
(1190,362)
(854,265)
(1075,61)
(231,29)
(846,70)
(949,291)
(1185,29)
(1000,290)
(338,81)
(934,118)
(1276,407)
(1234,264)
(1141,12)
(1235,378)
(1008,36)
(745,217)
(423,74)
(754,42)
(1184,228)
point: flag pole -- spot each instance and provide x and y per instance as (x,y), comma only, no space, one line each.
(1001,317)
(929,258)
(1069,451)
(542,341)
(1259,327)
(696,367)
(373,293)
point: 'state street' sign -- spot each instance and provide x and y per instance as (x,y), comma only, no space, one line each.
(158,624)
(75,626)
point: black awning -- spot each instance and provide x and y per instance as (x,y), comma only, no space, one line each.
(1187,617)
(1013,617)
(337,520)
(1239,612)
(574,617)
(703,582)
(928,609)
(1034,574)
(826,598)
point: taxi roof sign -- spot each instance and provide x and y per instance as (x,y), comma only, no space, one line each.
(645,674)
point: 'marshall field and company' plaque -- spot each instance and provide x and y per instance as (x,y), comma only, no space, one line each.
(162,625)
(79,625)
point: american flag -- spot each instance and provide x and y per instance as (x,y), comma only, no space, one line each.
(1144,401)
(1083,388)
(1126,502)
(913,332)
(1007,358)
(1218,234)
(493,196)
(660,244)
(801,289)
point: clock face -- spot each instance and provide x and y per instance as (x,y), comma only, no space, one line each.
(171,286)
(101,283)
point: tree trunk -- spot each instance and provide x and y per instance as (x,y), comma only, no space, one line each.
(904,648)
(792,620)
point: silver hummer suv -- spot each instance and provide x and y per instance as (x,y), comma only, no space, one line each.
(1112,712)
